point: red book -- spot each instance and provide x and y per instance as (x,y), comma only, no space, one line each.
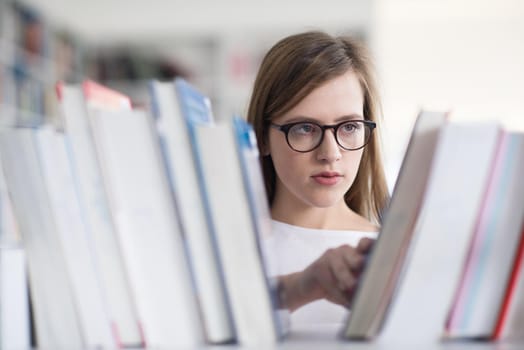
(508,317)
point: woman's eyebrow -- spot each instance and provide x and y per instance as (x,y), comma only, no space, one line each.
(353,116)
(302,118)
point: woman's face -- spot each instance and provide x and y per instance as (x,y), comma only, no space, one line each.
(319,178)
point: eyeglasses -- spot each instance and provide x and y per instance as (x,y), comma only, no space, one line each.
(303,137)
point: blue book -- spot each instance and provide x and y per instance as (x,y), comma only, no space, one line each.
(179,107)
(249,157)
(237,240)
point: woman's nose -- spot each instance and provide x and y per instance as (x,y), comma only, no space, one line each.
(329,150)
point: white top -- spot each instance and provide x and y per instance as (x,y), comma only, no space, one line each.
(293,248)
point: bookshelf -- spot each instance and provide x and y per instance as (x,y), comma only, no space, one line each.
(319,340)
(34,55)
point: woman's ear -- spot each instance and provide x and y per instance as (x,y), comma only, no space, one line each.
(265,150)
(264,147)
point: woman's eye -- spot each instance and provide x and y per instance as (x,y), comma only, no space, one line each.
(304,128)
(350,127)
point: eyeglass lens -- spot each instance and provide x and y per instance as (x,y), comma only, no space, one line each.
(307,136)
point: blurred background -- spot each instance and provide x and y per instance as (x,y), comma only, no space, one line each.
(465,56)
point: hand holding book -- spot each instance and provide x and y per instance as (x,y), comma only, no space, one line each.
(333,276)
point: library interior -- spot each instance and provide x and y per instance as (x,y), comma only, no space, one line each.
(98,98)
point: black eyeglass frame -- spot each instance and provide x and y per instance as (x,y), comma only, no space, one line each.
(286,127)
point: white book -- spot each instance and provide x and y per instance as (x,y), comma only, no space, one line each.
(15,328)
(75,240)
(176,137)
(244,272)
(492,252)
(456,187)
(383,271)
(93,202)
(255,188)
(9,232)
(148,229)
(253,180)
(55,315)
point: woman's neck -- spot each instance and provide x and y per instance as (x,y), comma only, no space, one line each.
(337,217)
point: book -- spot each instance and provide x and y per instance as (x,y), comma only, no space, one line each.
(15,328)
(253,180)
(148,227)
(9,232)
(510,321)
(382,274)
(75,241)
(493,247)
(54,310)
(255,188)
(455,191)
(93,202)
(238,245)
(101,97)
(173,126)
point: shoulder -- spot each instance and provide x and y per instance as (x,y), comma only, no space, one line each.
(365,225)
(356,222)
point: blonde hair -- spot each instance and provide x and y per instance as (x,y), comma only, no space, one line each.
(290,70)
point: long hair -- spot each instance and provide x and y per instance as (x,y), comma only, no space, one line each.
(290,70)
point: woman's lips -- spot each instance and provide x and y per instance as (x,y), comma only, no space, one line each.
(327,178)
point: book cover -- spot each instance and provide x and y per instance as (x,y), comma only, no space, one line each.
(493,247)
(15,328)
(76,243)
(260,211)
(239,251)
(455,191)
(383,271)
(173,129)
(148,228)
(510,320)
(56,318)
(99,223)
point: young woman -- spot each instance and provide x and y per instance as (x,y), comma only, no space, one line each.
(315,111)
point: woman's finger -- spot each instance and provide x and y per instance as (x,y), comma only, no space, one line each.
(365,245)
(339,297)
(342,273)
(355,262)
(352,257)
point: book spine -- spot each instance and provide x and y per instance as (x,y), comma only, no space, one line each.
(510,296)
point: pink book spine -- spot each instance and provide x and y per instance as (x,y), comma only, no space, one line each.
(457,312)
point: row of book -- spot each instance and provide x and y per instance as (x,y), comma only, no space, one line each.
(152,229)
(448,261)
(141,229)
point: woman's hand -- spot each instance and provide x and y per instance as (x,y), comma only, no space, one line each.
(333,276)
